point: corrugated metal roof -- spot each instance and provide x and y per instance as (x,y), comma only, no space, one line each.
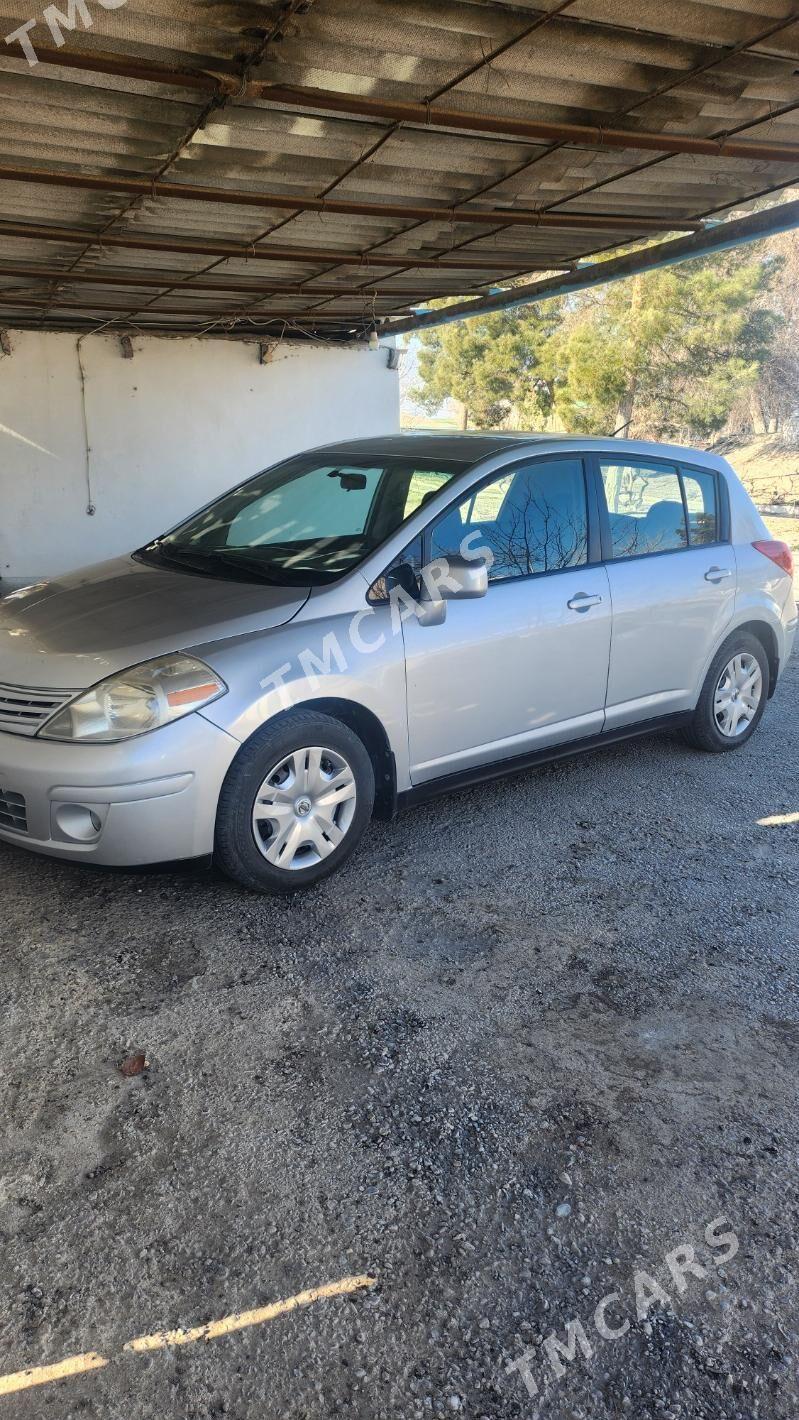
(77,258)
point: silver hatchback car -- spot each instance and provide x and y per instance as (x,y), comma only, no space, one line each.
(371,622)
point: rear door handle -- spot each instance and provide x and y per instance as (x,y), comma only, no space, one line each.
(717,574)
(582,601)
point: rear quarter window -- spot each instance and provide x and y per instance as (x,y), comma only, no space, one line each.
(701,502)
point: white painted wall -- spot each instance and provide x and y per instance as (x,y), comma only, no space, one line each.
(181,421)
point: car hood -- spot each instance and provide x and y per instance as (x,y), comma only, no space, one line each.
(73,631)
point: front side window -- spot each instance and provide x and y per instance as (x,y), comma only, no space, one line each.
(304,522)
(645,508)
(530,519)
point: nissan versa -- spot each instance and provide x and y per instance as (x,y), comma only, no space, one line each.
(371,622)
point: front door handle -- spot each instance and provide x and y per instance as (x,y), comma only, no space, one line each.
(583,602)
(717,574)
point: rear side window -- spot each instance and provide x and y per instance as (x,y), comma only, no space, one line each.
(702,505)
(645,508)
(529,519)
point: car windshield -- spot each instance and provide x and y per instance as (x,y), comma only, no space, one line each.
(303,522)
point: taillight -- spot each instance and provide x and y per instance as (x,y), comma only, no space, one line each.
(779,552)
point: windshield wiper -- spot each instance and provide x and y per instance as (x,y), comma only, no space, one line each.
(204,560)
(250,564)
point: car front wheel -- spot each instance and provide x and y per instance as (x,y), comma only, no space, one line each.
(294,804)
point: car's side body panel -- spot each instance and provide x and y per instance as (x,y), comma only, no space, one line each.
(516,670)
(666,619)
(765,594)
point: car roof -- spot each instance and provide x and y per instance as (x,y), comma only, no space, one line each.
(469,448)
(452,447)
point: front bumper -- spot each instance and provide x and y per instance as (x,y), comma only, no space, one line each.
(150,800)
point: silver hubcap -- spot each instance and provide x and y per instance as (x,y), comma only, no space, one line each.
(304,808)
(738,694)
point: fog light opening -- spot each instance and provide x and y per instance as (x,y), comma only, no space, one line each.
(78,822)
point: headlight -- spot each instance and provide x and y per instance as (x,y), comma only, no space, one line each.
(135,701)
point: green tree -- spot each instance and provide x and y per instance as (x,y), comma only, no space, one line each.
(666,353)
(490,364)
(663,354)
(774,402)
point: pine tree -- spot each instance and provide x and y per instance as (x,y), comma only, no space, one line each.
(664,354)
(491,365)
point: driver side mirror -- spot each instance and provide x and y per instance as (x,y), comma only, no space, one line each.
(456,578)
(449,579)
(443,580)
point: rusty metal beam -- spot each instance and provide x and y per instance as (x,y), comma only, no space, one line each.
(783,218)
(98,276)
(301,255)
(568,134)
(149,71)
(10,300)
(422,115)
(191,192)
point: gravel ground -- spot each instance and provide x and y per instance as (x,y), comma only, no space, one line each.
(532,1038)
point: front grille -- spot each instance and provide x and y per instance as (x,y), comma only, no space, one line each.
(24,708)
(13,811)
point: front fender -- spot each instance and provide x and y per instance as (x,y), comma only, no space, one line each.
(357,657)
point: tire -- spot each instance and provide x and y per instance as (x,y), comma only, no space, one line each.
(705,730)
(303,758)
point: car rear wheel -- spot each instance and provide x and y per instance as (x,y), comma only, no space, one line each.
(733,696)
(294,804)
